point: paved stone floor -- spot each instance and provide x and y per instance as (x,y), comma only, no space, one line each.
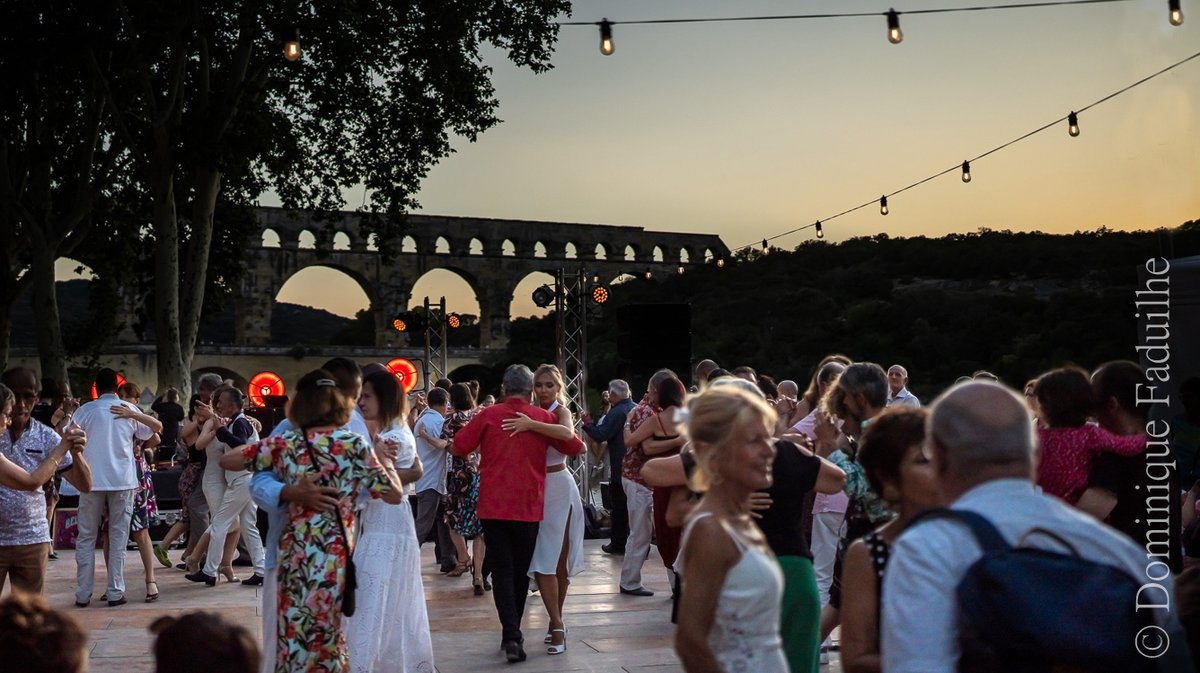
(609,633)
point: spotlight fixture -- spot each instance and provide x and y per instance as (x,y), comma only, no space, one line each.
(680,270)
(543,296)
(883,205)
(606,42)
(600,294)
(453,321)
(820,231)
(649,275)
(966,168)
(1073,124)
(721,263)
(893,23)
(1176,12)
(291,48)
(399,323)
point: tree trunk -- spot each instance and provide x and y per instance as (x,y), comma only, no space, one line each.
(51,351)
(207,186)
(172,370)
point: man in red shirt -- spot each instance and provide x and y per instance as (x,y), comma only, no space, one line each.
(512,480)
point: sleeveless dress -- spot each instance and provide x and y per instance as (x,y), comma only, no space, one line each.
(745,631)
(560,505)
(389,632)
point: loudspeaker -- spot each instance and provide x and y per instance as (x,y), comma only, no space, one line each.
(652,337)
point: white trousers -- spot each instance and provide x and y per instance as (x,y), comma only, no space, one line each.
(640,501)
(233,510)
(92,506)
(824,549)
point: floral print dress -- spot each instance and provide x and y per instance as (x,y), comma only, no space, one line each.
(462,481)
(312,550)
(145,505)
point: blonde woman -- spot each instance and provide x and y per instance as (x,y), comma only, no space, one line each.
(559,550)
(732,584)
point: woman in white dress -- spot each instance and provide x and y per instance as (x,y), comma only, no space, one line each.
(559,551)
(732,584)
(389,632)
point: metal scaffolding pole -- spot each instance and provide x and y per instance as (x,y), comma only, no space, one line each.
(435,353)
(570,305)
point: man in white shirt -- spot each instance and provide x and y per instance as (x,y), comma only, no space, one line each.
(898,395)
(111,428)
(428,508)
(981,443)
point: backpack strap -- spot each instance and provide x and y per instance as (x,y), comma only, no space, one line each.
(985,533)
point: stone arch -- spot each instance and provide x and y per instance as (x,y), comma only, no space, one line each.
(270,238)
(631,253)
(475,247)
(659,256)
(601,251)
(685,256)
(66,268)
(570,251)
(508,248)
(373,243)
(408,244)
(307,240)
(522,303)
(441,246)
(335,289)
(341,241)
(709,255)
(239,381)
(539,250)
(623,278)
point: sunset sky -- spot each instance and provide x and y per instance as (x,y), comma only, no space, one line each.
(750,129)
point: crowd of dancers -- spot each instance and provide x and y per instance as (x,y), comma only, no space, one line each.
(779,514)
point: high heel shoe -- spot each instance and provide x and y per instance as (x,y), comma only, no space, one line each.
(550,635)
(557,649)
(151,597)
(192,564)
(478,584)
(227,573)
(461,568)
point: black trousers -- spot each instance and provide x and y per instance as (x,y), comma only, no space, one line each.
(509,550)
(620,507)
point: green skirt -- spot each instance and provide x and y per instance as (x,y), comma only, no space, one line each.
(800,615)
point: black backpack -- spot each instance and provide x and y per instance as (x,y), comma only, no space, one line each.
(1033,610)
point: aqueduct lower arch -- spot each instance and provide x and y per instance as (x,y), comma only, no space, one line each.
(492,275)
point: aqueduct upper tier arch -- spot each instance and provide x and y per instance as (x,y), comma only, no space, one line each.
(493,255)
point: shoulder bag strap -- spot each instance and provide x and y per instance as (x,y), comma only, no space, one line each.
(985,533)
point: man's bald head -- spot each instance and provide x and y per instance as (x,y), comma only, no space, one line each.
(703,369)
(980,431)
(788,388)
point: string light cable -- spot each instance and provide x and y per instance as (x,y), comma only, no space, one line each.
(892,16)
(964,166)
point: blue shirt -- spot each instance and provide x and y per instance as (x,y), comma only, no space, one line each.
(266,486)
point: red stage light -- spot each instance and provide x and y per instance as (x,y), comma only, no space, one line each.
(406,371)
(263,385)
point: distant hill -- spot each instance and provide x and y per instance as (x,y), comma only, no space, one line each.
(290,323)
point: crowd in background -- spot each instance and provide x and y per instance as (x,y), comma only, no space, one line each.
(989,530)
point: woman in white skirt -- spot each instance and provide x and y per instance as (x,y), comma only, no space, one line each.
(559,551)
(389,632)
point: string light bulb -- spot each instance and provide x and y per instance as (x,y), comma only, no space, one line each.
(1073,124)
(606,42)
(1176,12)
(766,248)
(291,48)
(649,275)
(680,270)
(895,36)
(883,209)
(820,231)
(966,171)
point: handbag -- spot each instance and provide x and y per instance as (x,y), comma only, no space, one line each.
(348,606)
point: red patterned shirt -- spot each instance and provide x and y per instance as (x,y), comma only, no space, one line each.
(631,466)
(1067,455)
(512,470)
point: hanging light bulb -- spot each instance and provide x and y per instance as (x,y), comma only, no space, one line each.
(721,263)
(820,231)
(1176,12)
(894,34)
(966,171)
(766,248)
(883,205)
(1073,124)
(649,275)
(291,48)
(680,270)
(606,43)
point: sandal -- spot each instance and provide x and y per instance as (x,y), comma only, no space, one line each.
(151,597)
(477,582)
(462,567)
(557,649)
(550,635)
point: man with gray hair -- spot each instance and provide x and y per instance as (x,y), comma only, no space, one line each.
(982,447)
(898,395)
(512,479)
(611,429)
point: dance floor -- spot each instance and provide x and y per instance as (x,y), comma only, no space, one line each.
(609,632)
